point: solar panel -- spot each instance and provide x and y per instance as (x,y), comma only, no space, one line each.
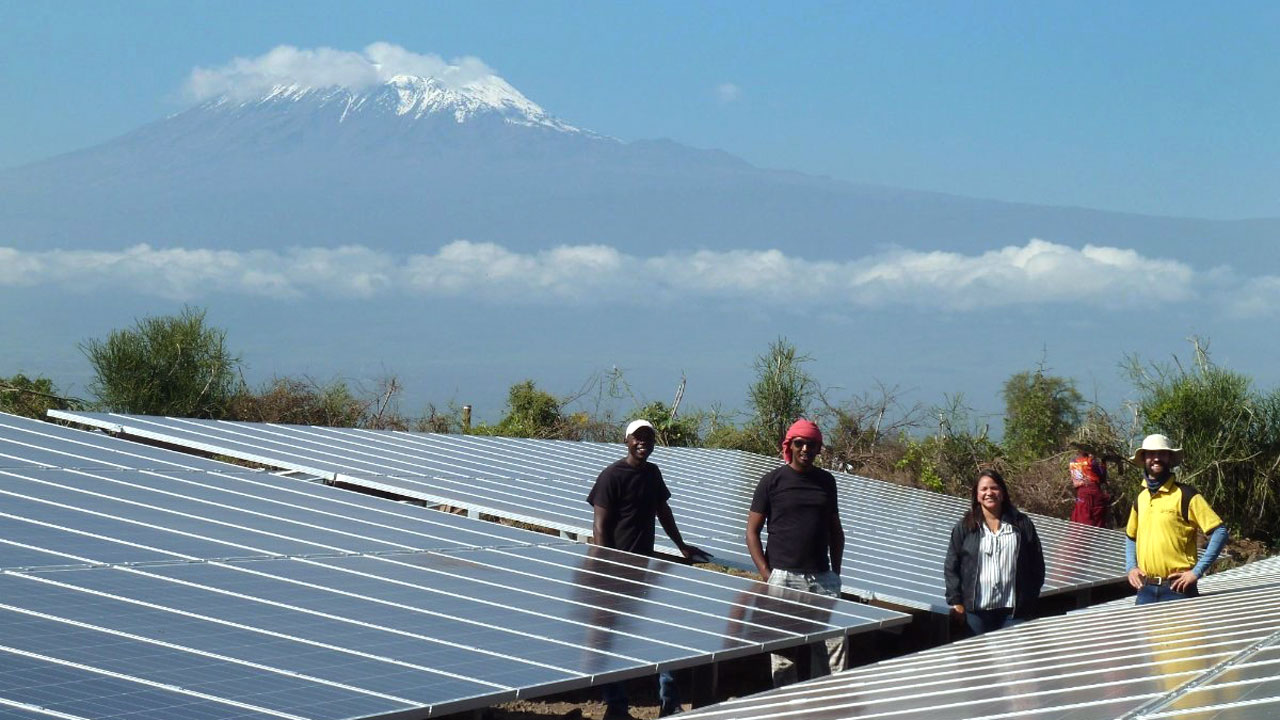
(545,482)
(187,587)
(1256,574)
(1211,657)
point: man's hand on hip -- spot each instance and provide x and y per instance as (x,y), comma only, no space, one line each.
(1137,578)
(1182,581)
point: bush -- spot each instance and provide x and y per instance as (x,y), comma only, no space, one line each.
(781,394)
(950,460)
(535,413)
(169,365)
(1229,432)
(294,401)
(866,434)
(31,397)
(680,431)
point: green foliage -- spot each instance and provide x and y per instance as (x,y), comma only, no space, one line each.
(680,431)
(950,460)
(865,433)
(30,397)
(781,393)
(169,365)
(1230,435)
(531,413)
(1041,412)
(297,401)
(433,420)
(723,433)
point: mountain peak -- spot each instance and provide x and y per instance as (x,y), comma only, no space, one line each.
(411,96)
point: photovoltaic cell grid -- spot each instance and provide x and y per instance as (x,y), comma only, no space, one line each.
(1257,574)
(897,536)
(137,582)
(1211,657)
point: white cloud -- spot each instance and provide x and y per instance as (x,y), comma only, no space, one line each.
(327,67)
(182,274)
(728,92)
(1257,298)
(1036,273)
(492,271)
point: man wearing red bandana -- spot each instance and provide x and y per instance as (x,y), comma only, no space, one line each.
(797,502)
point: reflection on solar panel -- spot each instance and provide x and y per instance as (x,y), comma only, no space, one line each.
(141,583)
(1255,574)
(901,531)
(1211,657)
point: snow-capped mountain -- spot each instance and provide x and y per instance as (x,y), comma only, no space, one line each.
(405,96)
(416,162)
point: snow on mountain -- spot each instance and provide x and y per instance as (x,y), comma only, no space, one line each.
(409,96)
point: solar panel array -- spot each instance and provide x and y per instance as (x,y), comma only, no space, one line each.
(1212,657)
(141,583)
(897,535)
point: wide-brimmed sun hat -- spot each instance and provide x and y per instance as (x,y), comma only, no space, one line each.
(1156,442)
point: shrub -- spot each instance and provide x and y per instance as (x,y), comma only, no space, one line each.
(1230,435)
(781,393)
(950,460)
(299,401)
(168,365)
(680,431)
(31,397)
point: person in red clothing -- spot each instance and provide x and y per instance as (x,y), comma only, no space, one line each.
(1088,477)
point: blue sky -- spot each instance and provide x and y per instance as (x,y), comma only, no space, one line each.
(1160,108)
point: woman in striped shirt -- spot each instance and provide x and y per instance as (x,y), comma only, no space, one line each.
(994,566)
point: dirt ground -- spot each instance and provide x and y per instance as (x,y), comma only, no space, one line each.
(738,677)
(558,709)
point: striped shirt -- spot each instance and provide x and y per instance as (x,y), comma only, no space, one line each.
(996,567)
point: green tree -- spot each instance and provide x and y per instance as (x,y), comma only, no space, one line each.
(1230,434)
(168,365)
(1041,412)
(781,393)
(31,397)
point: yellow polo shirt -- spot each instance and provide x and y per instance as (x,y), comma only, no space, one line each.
(1166,543)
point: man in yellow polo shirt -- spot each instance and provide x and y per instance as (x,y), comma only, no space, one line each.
(1160,553)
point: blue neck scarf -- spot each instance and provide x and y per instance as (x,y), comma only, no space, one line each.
(1154,484)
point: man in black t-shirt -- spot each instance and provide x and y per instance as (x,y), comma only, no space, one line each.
(806,542)
(627,496)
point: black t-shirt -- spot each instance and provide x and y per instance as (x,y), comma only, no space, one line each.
(797,509)
(632,495)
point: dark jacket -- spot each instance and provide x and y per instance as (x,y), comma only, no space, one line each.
(961,567)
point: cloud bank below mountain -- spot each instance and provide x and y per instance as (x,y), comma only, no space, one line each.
(1037,273)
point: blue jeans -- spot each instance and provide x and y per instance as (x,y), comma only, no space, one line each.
(984,621)
(1162,593)
(825,657)
(615,696)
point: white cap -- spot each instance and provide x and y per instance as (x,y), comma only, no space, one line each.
(637,424)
